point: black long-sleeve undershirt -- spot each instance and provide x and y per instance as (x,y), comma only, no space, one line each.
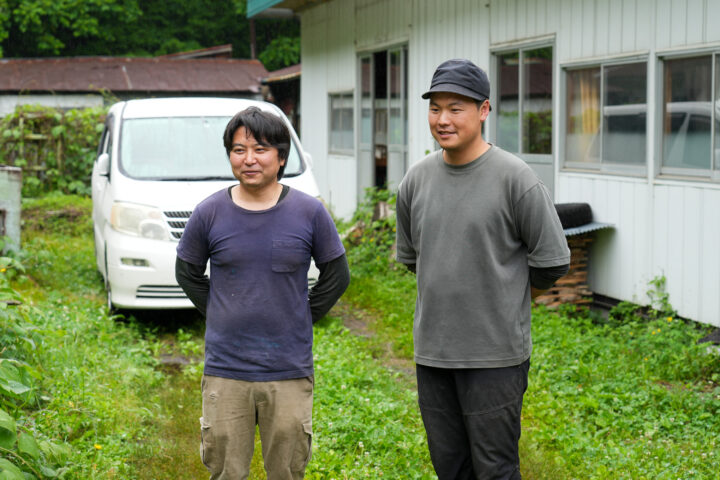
(540,278)
(333,281)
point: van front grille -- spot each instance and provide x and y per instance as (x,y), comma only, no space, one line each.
(159,291)
(177,220)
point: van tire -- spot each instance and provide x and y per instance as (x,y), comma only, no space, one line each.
(108,290)
(574,214)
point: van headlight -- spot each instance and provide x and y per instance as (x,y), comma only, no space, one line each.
(139,220)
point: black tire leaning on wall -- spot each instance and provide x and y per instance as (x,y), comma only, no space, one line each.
(574,214)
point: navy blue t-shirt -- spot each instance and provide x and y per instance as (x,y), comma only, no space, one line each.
(259,326)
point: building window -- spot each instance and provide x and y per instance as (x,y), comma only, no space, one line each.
(341,123)
(524,101)
(690,126)
(383,119)
(606,123)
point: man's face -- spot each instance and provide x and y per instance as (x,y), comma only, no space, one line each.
(255,165)
(456,121)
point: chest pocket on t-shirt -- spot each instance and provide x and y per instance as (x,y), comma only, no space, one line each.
(288,255)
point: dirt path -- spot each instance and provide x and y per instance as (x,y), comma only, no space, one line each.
(172,452)
(358,321)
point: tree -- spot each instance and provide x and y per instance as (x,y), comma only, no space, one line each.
(48,27)
(43,28)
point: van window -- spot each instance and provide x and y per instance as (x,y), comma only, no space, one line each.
(181,148)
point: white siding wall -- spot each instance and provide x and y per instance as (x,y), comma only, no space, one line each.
(594,28)
(328,66)
(669,229)
(440,30)
(332,35)
(661,228)
(666,229)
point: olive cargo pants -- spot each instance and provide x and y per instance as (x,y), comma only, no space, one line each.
(231,409)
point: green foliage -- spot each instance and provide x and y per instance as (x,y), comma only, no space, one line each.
(4,22)
(370,238)
(633,397)
(57,213)
(78,386)
(659,307)
(537,132)
(281,52)
(660,298)
(38,28)
(46,27)
(630,401)
(379,284)
(25,449)
(366,421)
(56,149)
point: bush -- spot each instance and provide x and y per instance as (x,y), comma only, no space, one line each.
(55,148)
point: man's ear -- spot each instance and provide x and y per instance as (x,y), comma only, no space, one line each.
(485,109)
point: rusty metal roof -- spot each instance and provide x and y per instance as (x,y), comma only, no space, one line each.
(287,73)
(218,51)
(120,74)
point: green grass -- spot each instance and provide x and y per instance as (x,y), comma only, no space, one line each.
(631,398)
(114,411)
(366,421)
(95,380)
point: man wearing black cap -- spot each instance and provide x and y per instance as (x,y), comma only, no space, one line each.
(481,232)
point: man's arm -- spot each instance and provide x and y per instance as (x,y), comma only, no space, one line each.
(542,279)
(194,282)
(332,283)
(405,251)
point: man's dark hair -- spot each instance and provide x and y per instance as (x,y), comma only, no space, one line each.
(268,129)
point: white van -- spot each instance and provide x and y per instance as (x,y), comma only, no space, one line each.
(157,159)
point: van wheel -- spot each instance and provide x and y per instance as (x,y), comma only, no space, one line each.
(110,306)
(108,291)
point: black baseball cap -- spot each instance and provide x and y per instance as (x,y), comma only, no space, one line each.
(462,77)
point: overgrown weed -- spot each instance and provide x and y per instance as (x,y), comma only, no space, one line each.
(632,396)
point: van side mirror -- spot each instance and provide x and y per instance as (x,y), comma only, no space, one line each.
(103,165)
(308,159)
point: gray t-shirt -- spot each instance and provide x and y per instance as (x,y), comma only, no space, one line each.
(473,231)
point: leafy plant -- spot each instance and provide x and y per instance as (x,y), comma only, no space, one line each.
(76,387)
(632,397)
(25,450)
(281,52)
(55,149)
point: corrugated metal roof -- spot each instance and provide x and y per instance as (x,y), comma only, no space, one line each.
(588,227)
(218,51)
(119,74)
(287,73)
(254,7)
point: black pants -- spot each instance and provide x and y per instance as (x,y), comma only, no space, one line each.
(472,420)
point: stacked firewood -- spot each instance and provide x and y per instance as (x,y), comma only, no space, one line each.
(572,288)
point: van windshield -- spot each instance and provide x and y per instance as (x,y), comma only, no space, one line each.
(181,148)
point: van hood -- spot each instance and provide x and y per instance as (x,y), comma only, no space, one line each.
(171,195)
(185,195)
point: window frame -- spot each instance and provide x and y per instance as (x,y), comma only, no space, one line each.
(520,48)
(634,170)
(712,173)
(349,97)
